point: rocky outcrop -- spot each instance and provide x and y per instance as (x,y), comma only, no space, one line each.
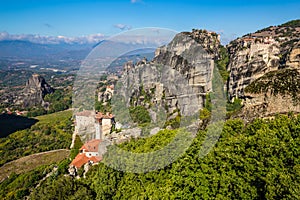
(107,94)
(179,75)
(34,92)
(275,92)
(264,71)
(192,55)
(267,105)
(293,58)
(248,62)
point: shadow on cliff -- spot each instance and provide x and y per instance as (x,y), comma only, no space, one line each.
(12,123)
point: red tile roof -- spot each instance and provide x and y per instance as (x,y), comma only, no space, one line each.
(82,159)
(91,146)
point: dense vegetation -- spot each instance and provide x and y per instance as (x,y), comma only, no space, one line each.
(63,188)
(139,115)
(77,145)
(20,186)
(222,63)
(53,131)
(233,107)
(59,100)
(103,107)
(293,24)
(257,161)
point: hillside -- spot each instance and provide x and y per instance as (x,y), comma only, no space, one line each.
(53,131)
(28,163)
(254,161)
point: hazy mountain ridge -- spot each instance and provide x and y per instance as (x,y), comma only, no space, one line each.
(20,49)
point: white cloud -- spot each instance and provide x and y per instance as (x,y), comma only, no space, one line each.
(122,26)
(136,1)
(53,39)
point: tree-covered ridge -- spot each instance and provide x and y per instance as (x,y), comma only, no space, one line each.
(53,131)
(139,114)
(293,24)
(285,27)
(257,161)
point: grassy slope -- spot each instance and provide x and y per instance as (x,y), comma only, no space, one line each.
(52,132)
(28,163)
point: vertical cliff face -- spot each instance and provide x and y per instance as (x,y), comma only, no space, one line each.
(264,71)
(179,75)
(192,55)
(249,60)
(293,57)
(35,90)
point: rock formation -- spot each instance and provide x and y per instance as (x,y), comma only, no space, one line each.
(250,61)
(35,90)
(107,94)
(264,71)
(179,75)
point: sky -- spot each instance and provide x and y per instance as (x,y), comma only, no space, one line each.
(74,18)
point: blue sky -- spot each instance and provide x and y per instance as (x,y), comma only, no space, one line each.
(84,17)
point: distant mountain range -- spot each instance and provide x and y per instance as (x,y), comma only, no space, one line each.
(46,48)
(19,49)
(64,53)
